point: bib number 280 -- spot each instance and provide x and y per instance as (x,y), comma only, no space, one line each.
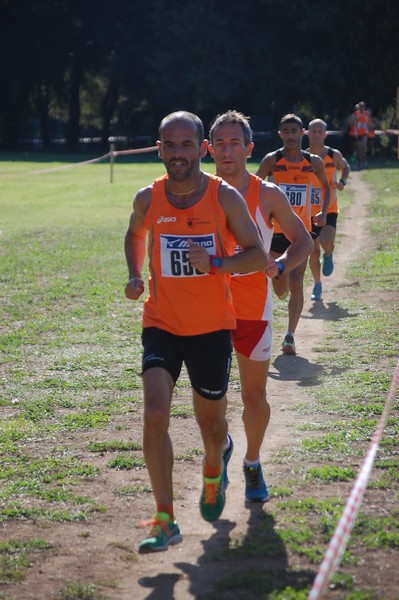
(296,193)
(295,198)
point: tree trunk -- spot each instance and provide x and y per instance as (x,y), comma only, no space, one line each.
(108,107)
(74,104)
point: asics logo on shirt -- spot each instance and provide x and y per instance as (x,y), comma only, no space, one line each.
(166,220)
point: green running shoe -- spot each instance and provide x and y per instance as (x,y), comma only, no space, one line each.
(213,498)
(163,532)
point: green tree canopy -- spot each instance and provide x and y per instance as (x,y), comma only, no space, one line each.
(116,68)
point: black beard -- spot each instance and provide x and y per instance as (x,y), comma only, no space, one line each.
(181,176)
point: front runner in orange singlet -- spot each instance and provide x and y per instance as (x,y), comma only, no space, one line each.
(230,146)
(192,220)
(325,236)
(292,169)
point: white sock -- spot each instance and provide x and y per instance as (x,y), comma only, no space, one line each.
(251,463)
(226,444)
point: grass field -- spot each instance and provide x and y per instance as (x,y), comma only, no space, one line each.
(70,352)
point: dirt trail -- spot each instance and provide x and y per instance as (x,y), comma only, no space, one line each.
(104,549)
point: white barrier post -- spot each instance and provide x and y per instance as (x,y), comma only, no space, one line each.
(111,162)
(397,117)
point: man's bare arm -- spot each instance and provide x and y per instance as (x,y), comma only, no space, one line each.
(135,244)
(275,204)
(266,166)
(253,256)
(318,167)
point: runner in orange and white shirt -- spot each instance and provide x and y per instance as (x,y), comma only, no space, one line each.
(292,168)
(325,236)
(193,221)
(230,146)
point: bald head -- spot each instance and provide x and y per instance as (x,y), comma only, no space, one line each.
(183,117)
(317,123)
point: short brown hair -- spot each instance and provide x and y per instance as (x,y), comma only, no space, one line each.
(235,118)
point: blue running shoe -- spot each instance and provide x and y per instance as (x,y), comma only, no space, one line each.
(317,290)
(328,265)
(226,457)
(288,345)
(255,486)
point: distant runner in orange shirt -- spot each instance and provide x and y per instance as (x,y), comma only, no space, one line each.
(230,145)
(325,236)
(361,129)
(292,169)
(193,221)
(350,124)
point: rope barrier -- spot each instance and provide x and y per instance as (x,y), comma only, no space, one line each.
(111,155)
(84,162)
(114,153)
(342,532)
(134,151)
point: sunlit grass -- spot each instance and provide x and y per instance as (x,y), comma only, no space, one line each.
(71,350)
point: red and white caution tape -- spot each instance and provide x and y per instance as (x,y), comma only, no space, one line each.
(345,525)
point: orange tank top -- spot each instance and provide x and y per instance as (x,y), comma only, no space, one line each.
(251,297)
(181,299)
(316,198)
(361,124)
(295,180)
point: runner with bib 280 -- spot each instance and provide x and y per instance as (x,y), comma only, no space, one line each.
(292,169)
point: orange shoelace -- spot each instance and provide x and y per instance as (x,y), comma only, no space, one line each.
(211,492)
(156,524)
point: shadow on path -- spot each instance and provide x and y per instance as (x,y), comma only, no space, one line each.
(163,585)
(200,575)
(250,568)
(330,311)
(296,368)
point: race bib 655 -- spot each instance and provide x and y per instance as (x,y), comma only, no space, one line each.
(174,254)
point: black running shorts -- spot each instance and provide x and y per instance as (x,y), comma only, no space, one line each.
(207,358)
(279,243)
(330,220)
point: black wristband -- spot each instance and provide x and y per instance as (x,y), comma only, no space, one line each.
(343,181)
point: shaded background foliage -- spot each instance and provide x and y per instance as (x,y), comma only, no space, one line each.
(79,67)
